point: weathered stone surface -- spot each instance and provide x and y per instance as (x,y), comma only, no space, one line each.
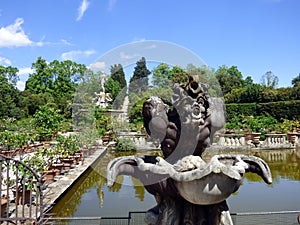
(188,190)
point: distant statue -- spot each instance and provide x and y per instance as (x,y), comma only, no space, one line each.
(102,99)
(187,189)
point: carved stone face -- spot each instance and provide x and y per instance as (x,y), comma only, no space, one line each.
(185,128)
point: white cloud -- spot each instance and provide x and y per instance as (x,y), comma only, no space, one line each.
(82,8)
(111,4)
(98,65)
(13,35)
(25,71)
(74,55)
(21,85)
(5,61)
(65,42)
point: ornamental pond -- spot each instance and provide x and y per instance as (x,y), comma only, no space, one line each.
(90,197)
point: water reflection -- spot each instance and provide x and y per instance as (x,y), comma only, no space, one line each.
(91,197)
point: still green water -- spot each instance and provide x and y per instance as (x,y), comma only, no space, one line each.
(91,197)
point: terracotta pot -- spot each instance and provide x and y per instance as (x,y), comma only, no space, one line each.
(48,176)
(68,160)
(57,167)
(7,153)
(4,203)
(22,198)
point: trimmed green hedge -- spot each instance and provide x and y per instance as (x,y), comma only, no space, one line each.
(279,110)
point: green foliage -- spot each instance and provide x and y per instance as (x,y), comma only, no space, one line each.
(116,85)
(124,144)
(139,80)
(269,80)
(10,140)
(279,110)
(161,75)
(58,79)
(46,120)
(296,80)
(288,126)
(229,78)
(87,138)
(9,95)
(262,124)
(67,145)
(103,121)
(245,109)
(117,74)
(178,75)
(112,87)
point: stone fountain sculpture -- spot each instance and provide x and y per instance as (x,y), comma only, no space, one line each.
(187,189)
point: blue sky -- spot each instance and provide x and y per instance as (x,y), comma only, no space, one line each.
(255,35)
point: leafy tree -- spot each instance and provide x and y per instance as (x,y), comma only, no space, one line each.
(161,75)
(41,80)
(31,102)
(269,79)
(229,78)
(46,120)
(178,75)
(285,94)
(113,87)
(296,81)
(60,79)
(116,85)
(252,93)
(248,81)
(117,74)
(9,94)
(10,73)
(139,80)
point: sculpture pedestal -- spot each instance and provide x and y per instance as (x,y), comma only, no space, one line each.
(179,211)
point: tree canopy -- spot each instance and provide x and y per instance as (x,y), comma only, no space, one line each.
(58,79)
(9,95)
(139,80)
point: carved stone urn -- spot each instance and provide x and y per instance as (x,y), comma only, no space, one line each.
(187,189)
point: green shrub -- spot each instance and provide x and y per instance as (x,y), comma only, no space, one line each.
(124,144)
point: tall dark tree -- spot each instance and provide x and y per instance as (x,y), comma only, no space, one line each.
(139,80)
(117,74)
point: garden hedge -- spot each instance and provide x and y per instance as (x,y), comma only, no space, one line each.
(279,110)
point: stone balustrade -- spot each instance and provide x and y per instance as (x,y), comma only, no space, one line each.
(253,140)
(275,140)
(139,140)
(231,140)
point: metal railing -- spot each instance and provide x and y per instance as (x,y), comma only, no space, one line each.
(137,218)
(20,193)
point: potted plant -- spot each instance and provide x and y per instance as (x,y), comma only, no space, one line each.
(42,162)
(46,121)
(7,142)
(4,205)
(25,184)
